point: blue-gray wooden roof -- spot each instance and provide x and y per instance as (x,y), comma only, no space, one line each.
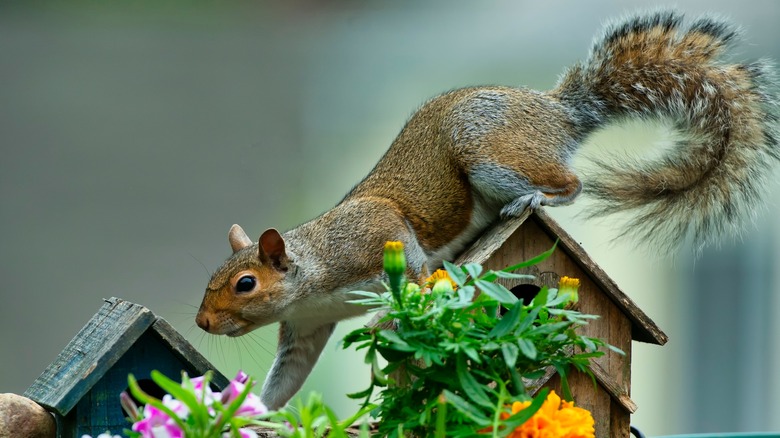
(96,348)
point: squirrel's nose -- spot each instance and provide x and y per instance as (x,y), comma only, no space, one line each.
(203,321)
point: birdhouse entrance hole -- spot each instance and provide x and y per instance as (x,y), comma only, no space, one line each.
(525,292)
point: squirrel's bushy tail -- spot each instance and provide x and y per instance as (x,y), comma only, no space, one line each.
(653,66)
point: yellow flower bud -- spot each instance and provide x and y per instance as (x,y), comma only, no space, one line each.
(567,287)
(395,266)
(395,260)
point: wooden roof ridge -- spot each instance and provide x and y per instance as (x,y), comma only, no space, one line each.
(97,347)
(602,377)
(644,329)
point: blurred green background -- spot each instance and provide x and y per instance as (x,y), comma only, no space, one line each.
(134,134)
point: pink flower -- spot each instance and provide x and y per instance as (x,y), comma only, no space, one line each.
(203,392)
(251,407)
(157,424)
(180,409)
(241,377)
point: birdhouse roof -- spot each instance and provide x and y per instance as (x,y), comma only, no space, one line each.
(643,328)
(96,348)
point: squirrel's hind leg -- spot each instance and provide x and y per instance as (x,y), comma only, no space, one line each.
(516,193)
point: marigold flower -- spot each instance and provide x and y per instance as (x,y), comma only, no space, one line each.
(440,275)
(555,419)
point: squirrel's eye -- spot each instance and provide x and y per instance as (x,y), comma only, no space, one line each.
(245,283)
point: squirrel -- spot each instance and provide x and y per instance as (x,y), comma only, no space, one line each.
(471,156)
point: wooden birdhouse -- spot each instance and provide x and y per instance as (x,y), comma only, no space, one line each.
(620,322)
(82,386)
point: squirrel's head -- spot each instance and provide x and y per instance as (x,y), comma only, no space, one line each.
(246,292)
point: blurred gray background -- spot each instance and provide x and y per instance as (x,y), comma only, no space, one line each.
(134,134)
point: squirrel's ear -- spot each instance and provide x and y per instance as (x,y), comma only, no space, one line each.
(271,249)
(238,238)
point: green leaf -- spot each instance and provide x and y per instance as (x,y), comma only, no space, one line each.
(616,350)
(540,300)
(146,399)
(527,348)
(496,291)
(456,274)
(549,327)
(521,417)
(362,394)
(232,408)
(563,374)
(510,354)
(525,264)
(472,354)
(466,294)
(379,376)
(366,302)
(470,386)
(508,321)
(198,411)
(512,275)
(466,408)
(527,320)
(174,388)
(532,261)
(474,269)
(398,343)
(347,422)
(589,345)
(356,335)
(364,293)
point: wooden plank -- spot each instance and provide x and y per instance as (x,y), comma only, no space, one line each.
(615,390)
(533,386)
(620,329)
(94,349)
(619,422)
(491,240)
(186,352)
(645,329)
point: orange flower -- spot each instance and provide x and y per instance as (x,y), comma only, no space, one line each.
(555,419)
(437,276)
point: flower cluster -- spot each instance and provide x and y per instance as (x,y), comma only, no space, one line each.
(555,419)
(193,409)
(461,344)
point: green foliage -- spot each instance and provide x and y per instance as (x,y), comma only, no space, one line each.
(191,408)
(454,362)
(314,419)
(196,412)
